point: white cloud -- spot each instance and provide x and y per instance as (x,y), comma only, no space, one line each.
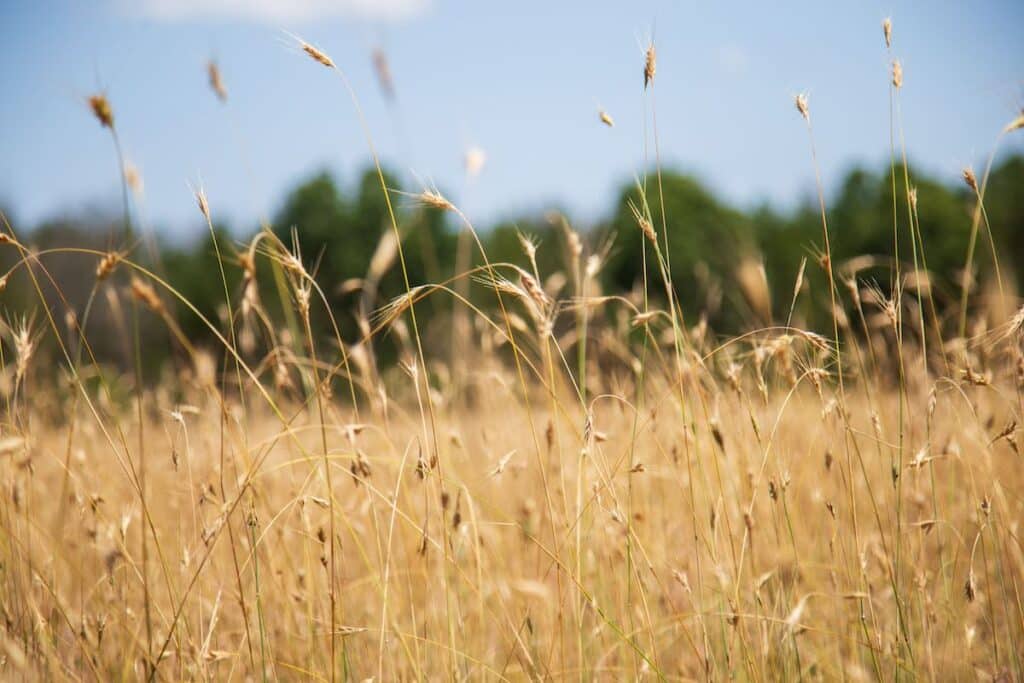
(277,12)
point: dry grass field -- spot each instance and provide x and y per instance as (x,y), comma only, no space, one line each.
(662,502)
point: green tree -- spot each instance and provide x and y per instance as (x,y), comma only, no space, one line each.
(704,237)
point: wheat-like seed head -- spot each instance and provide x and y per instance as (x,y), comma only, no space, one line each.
(897,74)
(101,109)
(435,199)
(887,31)
(383,71)
(1016,124)
(528,246)
(970,178)
(133,178)
(316,54)
(533,289)
(606,118)
(216,81)
(650,65)
(107,265)
(24,348)
(573,239)
(643,222)
(144,292)
(204,205)
(801,106)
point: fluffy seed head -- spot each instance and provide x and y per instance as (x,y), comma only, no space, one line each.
(897,74)
(101,110)
(887,31)
(606,118)
(216,82)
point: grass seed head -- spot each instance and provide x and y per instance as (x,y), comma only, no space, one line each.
(24,349)
(144,292)
(887,31)
(534,291)
(650,65)
(1016,124)
(435,200)
(970,178)
(897,74)
(528,246)
(606,118)
(100,106)
(107,265)
(572,238)
(801,106)
(317,54)
(643,222)
(383,71)
(133,178)
(204,205)
(216,81)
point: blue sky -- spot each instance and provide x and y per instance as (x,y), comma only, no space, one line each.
(522,81)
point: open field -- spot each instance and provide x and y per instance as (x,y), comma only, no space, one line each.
(514,474)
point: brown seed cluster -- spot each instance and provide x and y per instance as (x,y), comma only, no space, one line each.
(101,109)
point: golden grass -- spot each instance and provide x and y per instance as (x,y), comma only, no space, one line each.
(591,488)
(763,532)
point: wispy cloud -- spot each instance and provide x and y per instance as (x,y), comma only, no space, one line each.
(273,11)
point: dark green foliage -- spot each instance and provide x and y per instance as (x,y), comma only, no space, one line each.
(704,240)
(338,229)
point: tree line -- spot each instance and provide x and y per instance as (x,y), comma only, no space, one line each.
(735,268)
